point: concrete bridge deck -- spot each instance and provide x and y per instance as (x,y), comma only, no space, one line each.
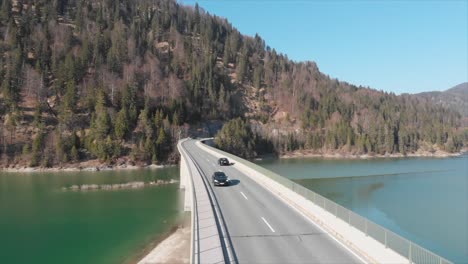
(262,221)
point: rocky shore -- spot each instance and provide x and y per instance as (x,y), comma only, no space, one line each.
(348,155)
(95,165)
(84,166)
(118,186)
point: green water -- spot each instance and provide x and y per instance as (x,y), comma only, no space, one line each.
(422,199)
(41,223)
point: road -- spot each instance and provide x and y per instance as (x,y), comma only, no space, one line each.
(262,227)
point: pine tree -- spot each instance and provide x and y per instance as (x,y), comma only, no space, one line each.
(129,100)
(70,98)
(161,141)
(175,118)
(241,69)
(121,127)
(74,154)
(37,148)
(5,11)
(102,120)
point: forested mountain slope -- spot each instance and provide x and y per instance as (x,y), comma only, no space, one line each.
(455,98)
(120,80)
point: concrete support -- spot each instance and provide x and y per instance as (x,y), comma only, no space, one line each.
(186,183)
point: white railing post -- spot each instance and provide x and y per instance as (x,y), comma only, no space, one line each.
(365,221)
(409,256)
(349,217)
(386,239)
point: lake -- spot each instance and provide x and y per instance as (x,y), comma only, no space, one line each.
(41,223)
(422,199)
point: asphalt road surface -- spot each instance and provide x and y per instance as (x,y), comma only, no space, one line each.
(262,227)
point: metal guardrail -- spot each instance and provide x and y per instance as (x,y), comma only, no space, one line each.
(227,249)
(204,249)
(413,252)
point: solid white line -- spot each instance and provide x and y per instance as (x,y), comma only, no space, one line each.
(244,195)
(271,228)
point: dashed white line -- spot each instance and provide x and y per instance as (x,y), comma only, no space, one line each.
(244,195)
(321,228)
(271,228)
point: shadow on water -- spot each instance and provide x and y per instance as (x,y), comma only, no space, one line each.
(367,190)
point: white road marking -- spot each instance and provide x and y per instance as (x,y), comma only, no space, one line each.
(271,228)
(319,227)
(244,195)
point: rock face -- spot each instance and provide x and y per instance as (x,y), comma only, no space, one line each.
(117,186)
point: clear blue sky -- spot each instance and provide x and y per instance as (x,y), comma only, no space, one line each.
(399,46)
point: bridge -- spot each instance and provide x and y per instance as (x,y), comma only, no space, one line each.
(263,217)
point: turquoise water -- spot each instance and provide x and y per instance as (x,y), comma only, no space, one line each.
(422,199)
(41,223)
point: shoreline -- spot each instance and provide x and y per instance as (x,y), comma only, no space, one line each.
(351,156)
(85,168)
(94,165)
(174,247)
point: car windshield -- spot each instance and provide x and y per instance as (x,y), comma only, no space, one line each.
(220,176)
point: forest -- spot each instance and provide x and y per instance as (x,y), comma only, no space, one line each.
(122,80)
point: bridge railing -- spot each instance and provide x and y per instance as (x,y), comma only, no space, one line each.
(413,252)
(209,242)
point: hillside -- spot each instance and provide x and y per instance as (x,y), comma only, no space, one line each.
(455,98)
(461,89)
(120,81)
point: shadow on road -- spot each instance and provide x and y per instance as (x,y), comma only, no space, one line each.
(234,182)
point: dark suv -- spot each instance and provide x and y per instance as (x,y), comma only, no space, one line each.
(219,178)
(223,162)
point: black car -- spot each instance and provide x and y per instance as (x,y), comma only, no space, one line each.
(223,162)
(219,178)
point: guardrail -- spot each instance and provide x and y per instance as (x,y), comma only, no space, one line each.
(210,243)
(413,252)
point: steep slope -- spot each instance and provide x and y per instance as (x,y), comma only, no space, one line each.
(120,81)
